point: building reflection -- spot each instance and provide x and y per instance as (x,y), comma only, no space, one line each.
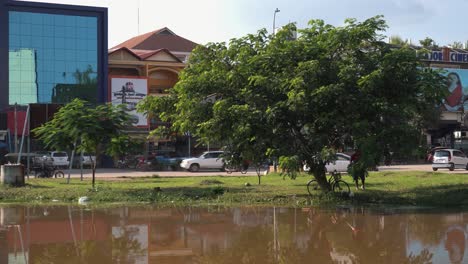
(218,235)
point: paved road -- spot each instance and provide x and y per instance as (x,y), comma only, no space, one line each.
(417,167)
(118,173)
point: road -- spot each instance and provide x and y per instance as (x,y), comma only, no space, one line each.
(121,174)
(417,167)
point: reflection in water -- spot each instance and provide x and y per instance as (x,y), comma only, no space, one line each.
(236,235)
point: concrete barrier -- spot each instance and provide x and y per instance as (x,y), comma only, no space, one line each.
(12,174)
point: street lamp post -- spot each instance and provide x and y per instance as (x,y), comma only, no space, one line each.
(274,17)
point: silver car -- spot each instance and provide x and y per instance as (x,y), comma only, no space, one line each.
(449,159)
(340,164)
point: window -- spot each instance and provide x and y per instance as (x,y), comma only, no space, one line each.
(341,157)
(52,57)
(442,153)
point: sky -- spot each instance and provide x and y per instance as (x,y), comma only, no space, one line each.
(204,21)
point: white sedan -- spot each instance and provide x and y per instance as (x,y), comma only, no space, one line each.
(339,165)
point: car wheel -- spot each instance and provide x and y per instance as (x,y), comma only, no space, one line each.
(434,169)
(452,167)
(194,168)
(59,174)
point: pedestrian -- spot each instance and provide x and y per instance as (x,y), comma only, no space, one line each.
(358,169)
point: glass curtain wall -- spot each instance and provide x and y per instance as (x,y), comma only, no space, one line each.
(52,58)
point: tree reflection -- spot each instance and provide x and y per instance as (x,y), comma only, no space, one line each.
(88,76)
(425,257)
(250,245)
(84,87)
(427,228)
(342,236)
(88,252)
(124,245)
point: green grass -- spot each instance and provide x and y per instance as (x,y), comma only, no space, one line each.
(398,188)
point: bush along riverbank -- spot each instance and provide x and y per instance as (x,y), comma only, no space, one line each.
(396,188)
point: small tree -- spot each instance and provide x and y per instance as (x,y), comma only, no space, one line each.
(456,45)
(83,127)
(428,43)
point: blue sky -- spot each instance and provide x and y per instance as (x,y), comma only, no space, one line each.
(205,21)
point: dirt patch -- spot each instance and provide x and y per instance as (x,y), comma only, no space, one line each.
(210,182)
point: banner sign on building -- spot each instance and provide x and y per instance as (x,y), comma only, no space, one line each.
(129,91)
(447,55)
(452,57)
(457,85)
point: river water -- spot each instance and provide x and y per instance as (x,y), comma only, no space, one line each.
(232,235)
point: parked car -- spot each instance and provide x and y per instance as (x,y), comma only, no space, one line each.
(339,165)
(449,159)
(87,159)
(60,159)
(207,160)
(42,157)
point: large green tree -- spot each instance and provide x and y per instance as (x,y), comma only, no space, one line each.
(85,128)
(305,98)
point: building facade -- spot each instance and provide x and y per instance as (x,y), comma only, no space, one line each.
(50,54)
(149,64)
(451,130)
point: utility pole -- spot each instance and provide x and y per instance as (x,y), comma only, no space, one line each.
(16,127)
(274,17)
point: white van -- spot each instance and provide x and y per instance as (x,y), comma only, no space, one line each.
(60,159)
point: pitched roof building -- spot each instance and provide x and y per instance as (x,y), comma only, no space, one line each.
(157,56)
(159,39)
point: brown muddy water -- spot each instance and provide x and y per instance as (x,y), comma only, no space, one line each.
(232,235)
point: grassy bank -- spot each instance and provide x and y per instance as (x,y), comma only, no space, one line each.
(400,188)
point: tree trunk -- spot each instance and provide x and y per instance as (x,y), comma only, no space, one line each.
(94,164)
(321,177)
(94,175)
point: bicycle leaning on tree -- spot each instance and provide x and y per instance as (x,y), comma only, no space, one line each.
(335,181)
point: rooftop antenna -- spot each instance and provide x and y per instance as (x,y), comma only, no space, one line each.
(138,17)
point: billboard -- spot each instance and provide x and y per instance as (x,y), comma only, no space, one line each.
(457,85)
(129,91)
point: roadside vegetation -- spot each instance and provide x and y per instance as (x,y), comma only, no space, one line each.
(393,188)
(303,94)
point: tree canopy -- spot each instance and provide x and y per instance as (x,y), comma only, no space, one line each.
(84,127)
(305,98)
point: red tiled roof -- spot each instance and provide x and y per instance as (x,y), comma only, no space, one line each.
(162,38)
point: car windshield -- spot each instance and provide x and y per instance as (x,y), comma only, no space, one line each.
(60,154)
(441,154)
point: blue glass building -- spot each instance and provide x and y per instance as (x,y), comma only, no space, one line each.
(51,53)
